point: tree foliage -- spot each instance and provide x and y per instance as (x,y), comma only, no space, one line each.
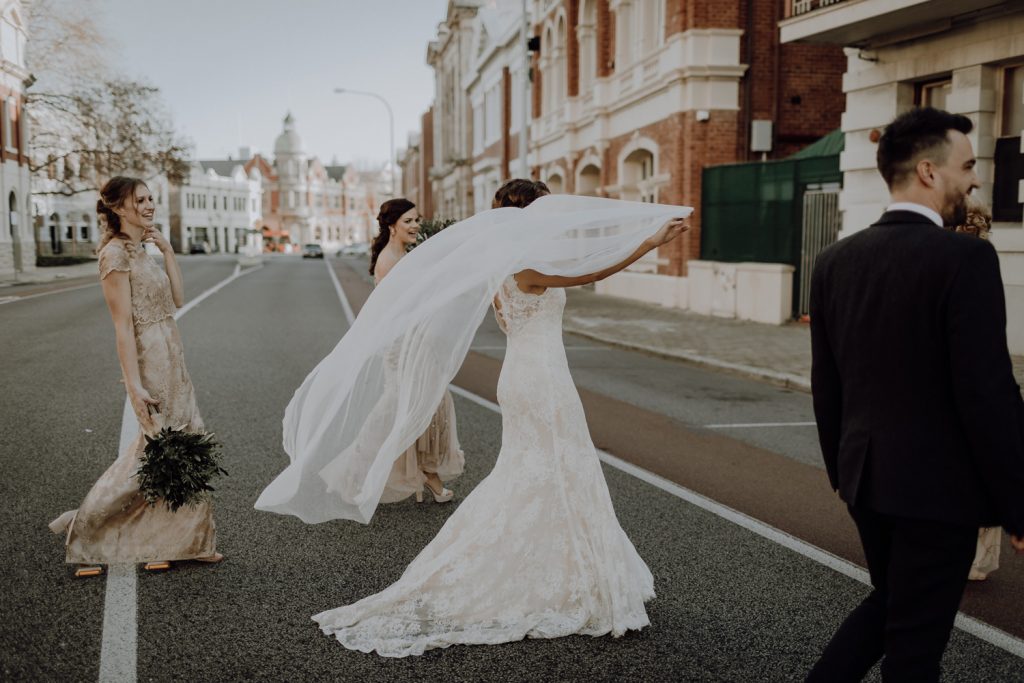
(88,123)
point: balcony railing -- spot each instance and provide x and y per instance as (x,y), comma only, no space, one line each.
(797,7)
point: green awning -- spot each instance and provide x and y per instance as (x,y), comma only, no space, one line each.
(830,145)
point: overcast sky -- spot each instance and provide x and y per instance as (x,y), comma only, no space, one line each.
(230,69)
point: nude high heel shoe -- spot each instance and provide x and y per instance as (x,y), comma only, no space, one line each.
(445,496)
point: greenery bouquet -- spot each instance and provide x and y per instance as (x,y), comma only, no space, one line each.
(178,466)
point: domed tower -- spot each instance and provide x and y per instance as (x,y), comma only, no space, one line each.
(292,173)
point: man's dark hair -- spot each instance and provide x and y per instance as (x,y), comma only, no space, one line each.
(911,135)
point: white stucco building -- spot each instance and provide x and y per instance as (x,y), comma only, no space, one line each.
(965,56)
(217,208)
(17,243)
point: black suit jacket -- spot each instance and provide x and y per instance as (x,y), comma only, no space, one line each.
(918,411)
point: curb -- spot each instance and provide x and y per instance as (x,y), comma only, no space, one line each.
(783,379)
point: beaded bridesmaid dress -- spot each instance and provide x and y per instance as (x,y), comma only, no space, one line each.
(114,524)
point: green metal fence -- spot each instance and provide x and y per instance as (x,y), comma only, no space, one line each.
(754,211)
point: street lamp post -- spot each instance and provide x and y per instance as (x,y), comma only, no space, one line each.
(391,122)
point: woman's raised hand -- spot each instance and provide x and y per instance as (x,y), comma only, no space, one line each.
(153,235)
(672,229)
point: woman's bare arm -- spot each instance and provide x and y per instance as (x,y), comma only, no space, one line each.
(534,282)
(118,294)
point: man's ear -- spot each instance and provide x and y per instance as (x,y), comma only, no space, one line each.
(925,170)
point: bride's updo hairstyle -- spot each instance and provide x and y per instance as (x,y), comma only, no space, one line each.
(114,194)
(519,192)
(390,212)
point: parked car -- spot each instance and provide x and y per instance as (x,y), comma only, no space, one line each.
(358,249)
(200,247)
(312,251)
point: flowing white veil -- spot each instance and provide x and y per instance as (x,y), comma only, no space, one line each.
(375,393)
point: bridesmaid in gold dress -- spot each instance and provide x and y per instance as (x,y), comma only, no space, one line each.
(114,524)
(436,456)
(986,556)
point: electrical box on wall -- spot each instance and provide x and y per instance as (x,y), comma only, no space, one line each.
(761,135)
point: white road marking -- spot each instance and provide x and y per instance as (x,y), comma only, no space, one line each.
(341,294)
(755,425)
(567,348)
(119,645)
(119,648)
(12,299)
(979,629)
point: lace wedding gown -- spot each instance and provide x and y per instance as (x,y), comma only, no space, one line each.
(535,550)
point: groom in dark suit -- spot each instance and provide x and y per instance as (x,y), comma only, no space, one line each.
(919,417)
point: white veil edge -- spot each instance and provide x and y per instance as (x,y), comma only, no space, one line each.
(374,394)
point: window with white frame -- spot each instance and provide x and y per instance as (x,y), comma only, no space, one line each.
(478,129)
(492,114)
(651,24)
(1009,162)
(586,37)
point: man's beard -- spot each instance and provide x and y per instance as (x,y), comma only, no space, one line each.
(955,213)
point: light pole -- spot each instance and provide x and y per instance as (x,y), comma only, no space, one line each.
(391,122)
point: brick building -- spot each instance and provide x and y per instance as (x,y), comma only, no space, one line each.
(303,201)
(636,97)
(627,98)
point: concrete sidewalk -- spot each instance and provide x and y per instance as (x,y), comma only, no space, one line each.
(53,274)
(779,354)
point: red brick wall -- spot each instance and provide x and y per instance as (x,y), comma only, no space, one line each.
(506,120)
(426,162)
(811,102)
(605,39)
(572,47)
(685,146)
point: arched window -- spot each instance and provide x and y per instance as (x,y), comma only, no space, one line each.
(55,241)
(585,35)
(638,176)
(650,24)
(547,81)
(555,183)
(561,74)
(625,41)
(12,215)
(589,181)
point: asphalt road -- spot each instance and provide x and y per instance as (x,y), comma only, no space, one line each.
(731,605)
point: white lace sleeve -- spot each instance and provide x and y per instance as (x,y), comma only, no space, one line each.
(498,316)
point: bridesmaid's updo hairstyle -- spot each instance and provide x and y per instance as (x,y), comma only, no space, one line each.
(390,212)
(114,194)
(519,192)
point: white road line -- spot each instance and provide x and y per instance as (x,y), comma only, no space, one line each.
(567,348)
(755,425)
(119,645)
(341,293)
(979,629)
(12,299)
(118,651)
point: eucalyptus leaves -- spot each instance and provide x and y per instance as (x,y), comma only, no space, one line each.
(177,468)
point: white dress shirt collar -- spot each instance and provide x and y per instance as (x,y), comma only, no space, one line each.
(930,214)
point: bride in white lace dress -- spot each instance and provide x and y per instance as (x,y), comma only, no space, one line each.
(535,550)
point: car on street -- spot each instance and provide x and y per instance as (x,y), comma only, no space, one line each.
(200,247)
(358,249)
(312,251)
